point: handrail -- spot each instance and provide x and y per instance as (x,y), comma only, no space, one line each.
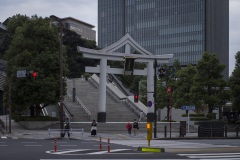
(66,108)
(83,107)
(79,102)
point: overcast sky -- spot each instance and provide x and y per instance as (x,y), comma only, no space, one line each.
(86,10)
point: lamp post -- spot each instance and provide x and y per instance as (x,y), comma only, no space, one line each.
(61,70)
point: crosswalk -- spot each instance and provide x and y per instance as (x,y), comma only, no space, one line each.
(167,144)
(211,156)
(3,137)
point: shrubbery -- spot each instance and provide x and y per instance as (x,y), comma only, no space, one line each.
(28,118)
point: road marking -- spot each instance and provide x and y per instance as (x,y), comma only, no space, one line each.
(67,151)
(3,137)
(209,156)
(28,142)
(68,145)
(3,145)
(33,145)
(112,151)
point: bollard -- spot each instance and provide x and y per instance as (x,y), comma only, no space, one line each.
(108,145)
(180,131)
(165,131)
(100,143)
(55,145)
(237,129)
(225,131)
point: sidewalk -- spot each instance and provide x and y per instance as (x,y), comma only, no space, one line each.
(17,131)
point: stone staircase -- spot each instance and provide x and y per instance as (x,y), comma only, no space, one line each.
(88,94)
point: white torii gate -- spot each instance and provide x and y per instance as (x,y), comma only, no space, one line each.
(108,54)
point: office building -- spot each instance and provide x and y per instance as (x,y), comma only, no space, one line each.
(185,28)
(82,28)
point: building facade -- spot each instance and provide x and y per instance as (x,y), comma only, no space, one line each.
(185,28)
(82,28)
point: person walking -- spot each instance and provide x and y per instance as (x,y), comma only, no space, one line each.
(135,127)
(67,127)
(94,128)
(129,127)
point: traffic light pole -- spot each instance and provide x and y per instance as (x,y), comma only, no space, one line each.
(155,98)
(61,72)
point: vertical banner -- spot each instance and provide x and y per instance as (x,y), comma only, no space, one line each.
(129,65)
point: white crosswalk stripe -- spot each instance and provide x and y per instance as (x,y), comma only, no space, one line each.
(3,137)
(211,156)
(166,144)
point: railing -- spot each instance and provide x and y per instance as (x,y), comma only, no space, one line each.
(82,106)
(73,132)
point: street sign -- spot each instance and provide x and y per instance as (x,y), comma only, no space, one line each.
(188,108)
(149,103)
(21,73)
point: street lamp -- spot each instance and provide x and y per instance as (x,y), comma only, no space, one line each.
(61,70)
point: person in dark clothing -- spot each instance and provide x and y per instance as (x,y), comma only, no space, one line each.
(67,128)
(94,128)
(135,127)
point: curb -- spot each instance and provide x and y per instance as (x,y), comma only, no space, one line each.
(151,149)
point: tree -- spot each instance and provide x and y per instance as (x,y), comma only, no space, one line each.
(234,83)
(35,46)
(185,81)
(209,82)
(75,61)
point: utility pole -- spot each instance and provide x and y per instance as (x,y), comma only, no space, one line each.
(155,98)
(61,114)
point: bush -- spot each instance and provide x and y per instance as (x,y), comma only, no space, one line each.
(193,115)
(28,118)
(199,119)
(211,115)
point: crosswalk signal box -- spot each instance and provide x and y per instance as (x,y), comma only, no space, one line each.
(149,131)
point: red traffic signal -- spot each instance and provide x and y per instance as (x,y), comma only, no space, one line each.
(136,98)
(30,74)
(34,74)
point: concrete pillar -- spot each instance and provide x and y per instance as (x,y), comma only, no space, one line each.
(150,91)
(102,91)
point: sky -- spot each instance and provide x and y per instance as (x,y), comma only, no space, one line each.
(86,10)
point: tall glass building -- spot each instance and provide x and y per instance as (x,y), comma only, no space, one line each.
(185,28)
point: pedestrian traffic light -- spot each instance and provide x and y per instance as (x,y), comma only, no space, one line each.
(136,98)
(31,74)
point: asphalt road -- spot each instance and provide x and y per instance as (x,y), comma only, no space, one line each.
(32,149)
(19,149)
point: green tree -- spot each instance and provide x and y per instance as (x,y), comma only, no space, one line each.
(209,82)
(185,81)
(75,61)
(234,83)
(34,47)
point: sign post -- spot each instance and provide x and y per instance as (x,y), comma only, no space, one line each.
(188,108)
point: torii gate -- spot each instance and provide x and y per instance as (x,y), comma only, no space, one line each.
(108,54)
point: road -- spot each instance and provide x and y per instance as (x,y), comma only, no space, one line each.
(32,149)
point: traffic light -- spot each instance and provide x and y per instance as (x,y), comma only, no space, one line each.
(162,72)
(136,98)
(31,74)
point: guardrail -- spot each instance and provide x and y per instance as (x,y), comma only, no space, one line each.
(73,132)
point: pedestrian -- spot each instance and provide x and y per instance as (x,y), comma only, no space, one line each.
(129,127)
(94,128)
(67,127)
(135,127)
